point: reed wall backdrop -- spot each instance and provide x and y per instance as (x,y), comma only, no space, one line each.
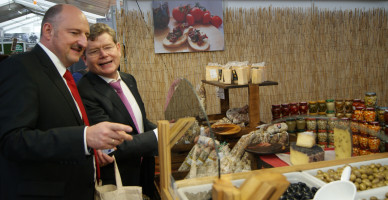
(313,54)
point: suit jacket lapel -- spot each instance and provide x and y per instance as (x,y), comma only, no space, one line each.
(52,72)
(106,90)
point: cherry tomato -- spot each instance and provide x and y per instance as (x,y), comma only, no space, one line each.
(190,19)
(206,18)
(179,13)
(197,13)
(216,21)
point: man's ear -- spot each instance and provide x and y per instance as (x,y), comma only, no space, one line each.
(48,31)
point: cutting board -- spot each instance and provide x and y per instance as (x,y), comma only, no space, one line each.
(215,37)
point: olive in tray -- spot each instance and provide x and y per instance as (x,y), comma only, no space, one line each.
(299,191)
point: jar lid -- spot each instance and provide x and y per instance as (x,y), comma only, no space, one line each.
(345,119)
(356,100)
(370,93)
(310,118)
(293,103)
(285,104)
(374,123)
(276,105)
(354,120)
(359,108)
(321,131)
(329,100)
(303,103)
(370,109)
(330,112)
(312,102)
(290,119)
(321,101)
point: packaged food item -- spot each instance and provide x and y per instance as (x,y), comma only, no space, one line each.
(212,70)
(303,108)
(322,107)
(370,99)
(313,108)
(369,114)
(330,105)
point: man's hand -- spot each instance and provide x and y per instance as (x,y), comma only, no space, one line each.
(104,159)
(106,135)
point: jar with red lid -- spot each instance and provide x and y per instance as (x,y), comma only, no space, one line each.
(285,109)
(303,108)
(339,105)
(332,122)
(362,104)
(313,108)
(373,128)
(356,103)
(294,109)
(358,113)
(322,107)
(363,141)
(369,114)
(356,150)
(363,127)
(354,125)
(276,112)
(374,144)
(364,152)
(355,138)
(322,138)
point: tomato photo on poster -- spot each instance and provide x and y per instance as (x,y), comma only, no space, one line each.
(188,26)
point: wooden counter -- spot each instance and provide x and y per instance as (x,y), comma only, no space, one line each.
(296,168)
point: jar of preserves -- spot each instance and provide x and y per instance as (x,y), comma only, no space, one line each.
(373,128)
(354,126)
(380,114)
(386,131)
(311,124)
(364,152)
(330,136)
(363,141)
(339,114)
(322,107)
(300,124)
(161,15)
(339,105)
(313,108)
(356,103)
(322,138)
(356,151)
(349,115)
(374,144)
(355,138)
(362,104)
(291,124)
(294,109)
(370,99)
(348,106)
(276,112)
(386,116)
(330,113)
(330,105)
(344,122)
(369,114)
(359,113)
(285,109)
(322,124)
(332,122)
(363,127)
(303,108)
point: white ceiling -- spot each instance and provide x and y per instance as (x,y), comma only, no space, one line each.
(20,13)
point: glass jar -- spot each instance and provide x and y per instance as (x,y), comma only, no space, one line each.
(364,152)
(386,116)
(161,15)
(313,108)
(362,104)
(332,122)
(374,143)
(311,124)
(349,115)
(330,105)
(363,141)
(344,122)
(369,114)
(356,151)
(285,109)
(300,124)
(330,113)
(322,138)
(303,108)
(373,128)
(322,107)
(348,106)
(339,114)
(291,123)
(358,113)
(322,124)
(380,114)
(355,138)
(386,131)
(330,136)
(276,112)
(354,126)
(339,105)
(294,109)
(363,127)
(370,99)
(356,103)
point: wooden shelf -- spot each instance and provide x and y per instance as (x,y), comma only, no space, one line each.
(253,99)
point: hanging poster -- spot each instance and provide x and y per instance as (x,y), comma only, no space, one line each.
(188,26)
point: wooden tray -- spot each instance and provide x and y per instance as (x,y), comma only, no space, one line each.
(225,129)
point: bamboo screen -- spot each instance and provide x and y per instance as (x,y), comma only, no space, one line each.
(313,54)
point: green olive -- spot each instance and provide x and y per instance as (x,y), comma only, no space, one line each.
(352,177)
(373,198)
(362,186)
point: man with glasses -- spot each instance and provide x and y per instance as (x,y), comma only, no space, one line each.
(110,95)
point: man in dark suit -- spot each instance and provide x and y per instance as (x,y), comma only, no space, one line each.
(135,158)
(44,144)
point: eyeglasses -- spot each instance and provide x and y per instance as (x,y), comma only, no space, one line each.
(96,52)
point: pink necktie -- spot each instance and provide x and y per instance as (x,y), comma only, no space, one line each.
(116,85)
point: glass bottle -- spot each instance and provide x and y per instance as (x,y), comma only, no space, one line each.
(313,108)
(370,99)
(380,114)
(373,143)
(303,108)
(330,105)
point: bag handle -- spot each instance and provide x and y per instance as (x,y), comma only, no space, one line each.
(119,183)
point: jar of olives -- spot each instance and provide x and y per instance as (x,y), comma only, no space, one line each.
(291,124)
(370,99)
(322,107)
(332,122)
(322,124)
(348,106)
(313,108)
(322,138)
(300,124)
(311,124)
(339,106)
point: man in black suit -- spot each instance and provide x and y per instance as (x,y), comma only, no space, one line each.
(135,158)
(45,148)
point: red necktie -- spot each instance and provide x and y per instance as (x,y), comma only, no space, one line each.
(74,91)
